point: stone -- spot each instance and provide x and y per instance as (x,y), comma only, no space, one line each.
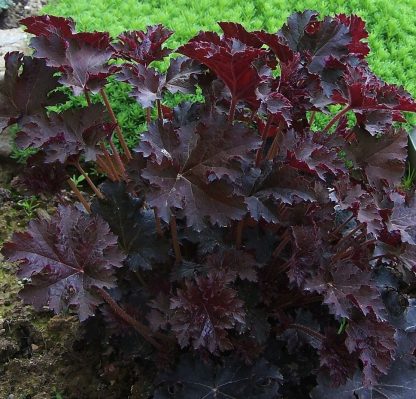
(12,40)
(5,144)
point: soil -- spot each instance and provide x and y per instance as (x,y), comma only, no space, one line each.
(19,9)
(45,356)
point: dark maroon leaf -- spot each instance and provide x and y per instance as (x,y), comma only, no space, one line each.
(143,47)
(198,380)
(399,383)
(403,219)
(26,87)
(204,311)
(319,39)
(181,76)
(346,289)
(41,178)
(147,83)
(81,57)
(45,25)
(72,132)
(234,263)
(335,359)
(381,159)
(65,258)
(233,30)
(277,184)
(363,336)
(190,167)
(134,226)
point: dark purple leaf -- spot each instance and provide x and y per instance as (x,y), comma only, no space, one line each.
(134,226)
(204,311)
(26,87)
(70,133)
(65,258)
(189,168)
(81,57)
(198,380)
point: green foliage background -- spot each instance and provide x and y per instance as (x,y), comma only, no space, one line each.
(392,24)
(392,27)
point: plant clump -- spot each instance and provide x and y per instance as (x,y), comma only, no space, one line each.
(240,249)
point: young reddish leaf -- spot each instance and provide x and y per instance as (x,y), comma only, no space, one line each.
(232,379)
(358,33)
(233,30)
(65,258)
(134,226)
(143,47)
(376,346)
(190,168)
(372,99)
(26,88)
(231,60)
(81,57)
(70,133)
(204,311)
(45,25)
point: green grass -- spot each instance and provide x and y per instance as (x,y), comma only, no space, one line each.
(392,24)
(392,27)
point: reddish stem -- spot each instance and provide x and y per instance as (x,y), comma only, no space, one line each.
(350,234)
(274,148)
(159,110)
(117,157)
(104,167)
(231,112)
(264,138)
(87,97)
(307,330)
(110,165)
(94,188)
(143,330)
(281,246)
(79,195)
(239,233)
(148,115)
(175,241)
(342,225)
(312,118)
(114,120)
(158,224)
(337,117)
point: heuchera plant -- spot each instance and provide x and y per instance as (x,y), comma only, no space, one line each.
(256,255)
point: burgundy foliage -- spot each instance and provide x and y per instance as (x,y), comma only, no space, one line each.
(245,249)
